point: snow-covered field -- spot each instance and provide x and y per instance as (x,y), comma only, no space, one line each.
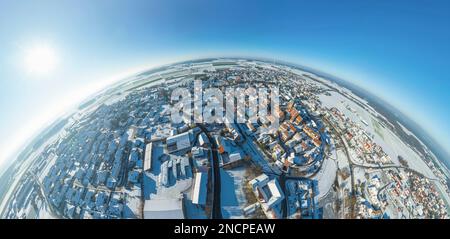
(390,142)
(326,177)
(346,106)
(232,196)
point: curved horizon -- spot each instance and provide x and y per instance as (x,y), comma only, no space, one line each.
(442,154)
(397,50)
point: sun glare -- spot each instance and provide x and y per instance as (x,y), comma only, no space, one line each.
(41,60)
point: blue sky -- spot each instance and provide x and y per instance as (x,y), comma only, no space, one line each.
(399,50)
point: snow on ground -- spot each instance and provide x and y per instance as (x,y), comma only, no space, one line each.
(51,162)
(442,191)
(133,204)
(390,143)
(232,195)
(44,213)
(173,191)
(395,147)
(193,211)
(359,174)
(152,187)
(342,161)
(408,132)
(342,164)
(349,108)
(326,177)
(151,179)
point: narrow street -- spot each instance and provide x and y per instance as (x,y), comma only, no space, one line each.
(216,212)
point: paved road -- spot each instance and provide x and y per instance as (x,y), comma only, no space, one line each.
(216,212)
(54,212)
(261,159)
(350,162)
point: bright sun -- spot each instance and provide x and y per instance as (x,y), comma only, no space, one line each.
(41,60)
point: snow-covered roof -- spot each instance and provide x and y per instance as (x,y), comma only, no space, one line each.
(163,209)
(270,189)
(199,192)
(235,157)
(202,139)
(181,141)
(274,188)
(261,179)
(148,157)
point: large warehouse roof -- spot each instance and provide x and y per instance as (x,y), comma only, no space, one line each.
(163,209)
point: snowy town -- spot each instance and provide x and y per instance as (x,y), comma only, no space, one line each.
(119,155)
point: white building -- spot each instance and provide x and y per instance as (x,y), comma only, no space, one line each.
(269,194)
(148,157)
(200,190)
(163,209)
(178,142)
